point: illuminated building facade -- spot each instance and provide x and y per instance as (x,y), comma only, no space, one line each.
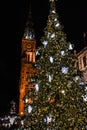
(82,62)
(28,48)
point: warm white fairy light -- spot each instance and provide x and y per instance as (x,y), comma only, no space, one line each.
(53,35)
(53,11)
(50,78)
(26,100)
(57,25)
(62,52)
(22,122)
(63,92)
(55,19)
(76,78)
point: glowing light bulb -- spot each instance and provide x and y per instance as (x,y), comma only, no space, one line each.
(57,24)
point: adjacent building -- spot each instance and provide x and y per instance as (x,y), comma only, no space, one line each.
(82,62)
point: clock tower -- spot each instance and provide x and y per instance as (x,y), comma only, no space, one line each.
(28,48)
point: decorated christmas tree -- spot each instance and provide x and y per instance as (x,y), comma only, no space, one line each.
(58,100)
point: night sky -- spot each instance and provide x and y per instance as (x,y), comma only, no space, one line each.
(13,14)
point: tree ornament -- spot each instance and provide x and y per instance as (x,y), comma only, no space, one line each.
(64,70)
(22,122)
(85,95)
(32,80)
(77,78)
(53,11)
(55,19)
(62,52)
(36,87)
(63,92)
(85,98)
(57,24)
(50,78)
(45,43)
(70,47)
(37,66)
(52,35)
(48,119)
(81,83)
(26,100)
(29,109)
(37,53)
(51,59)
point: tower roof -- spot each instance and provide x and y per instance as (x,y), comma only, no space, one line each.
(29,29)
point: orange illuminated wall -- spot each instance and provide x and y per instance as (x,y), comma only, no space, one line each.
(27,56)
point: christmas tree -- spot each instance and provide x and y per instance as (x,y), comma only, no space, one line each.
(58,100)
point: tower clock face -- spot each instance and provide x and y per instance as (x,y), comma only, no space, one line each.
(29,44)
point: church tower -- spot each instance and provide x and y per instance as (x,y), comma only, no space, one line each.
(28,48)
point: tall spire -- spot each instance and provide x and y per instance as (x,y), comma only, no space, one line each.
(52,6)
(29,30)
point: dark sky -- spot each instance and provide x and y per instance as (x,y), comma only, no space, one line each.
(13,14)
